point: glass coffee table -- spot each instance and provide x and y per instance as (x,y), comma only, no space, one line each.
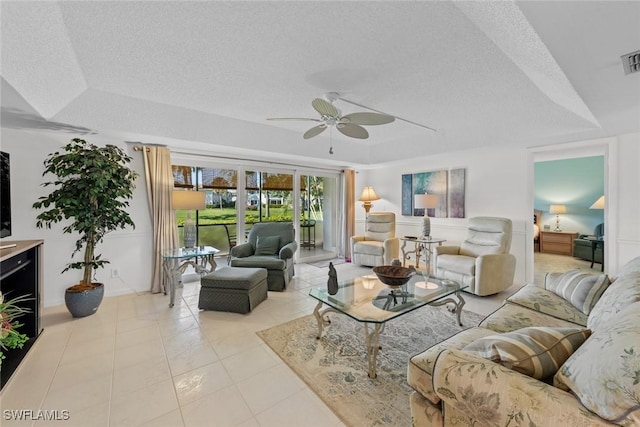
(369,301)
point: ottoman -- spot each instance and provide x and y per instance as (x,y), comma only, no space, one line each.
(234,289)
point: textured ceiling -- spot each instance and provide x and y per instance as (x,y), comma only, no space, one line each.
(206,75)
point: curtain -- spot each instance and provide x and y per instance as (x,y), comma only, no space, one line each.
(158,171)
(347,214)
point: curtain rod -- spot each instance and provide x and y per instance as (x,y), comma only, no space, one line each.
(139,148)
(260,161)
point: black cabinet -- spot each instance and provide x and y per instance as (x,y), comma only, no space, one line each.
(20,274)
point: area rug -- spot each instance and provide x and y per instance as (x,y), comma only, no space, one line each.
(335,367)
(325,263)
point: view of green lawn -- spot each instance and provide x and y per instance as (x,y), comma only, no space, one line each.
(228,215)
(211,231)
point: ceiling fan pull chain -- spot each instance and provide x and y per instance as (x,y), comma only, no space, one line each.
(331,140)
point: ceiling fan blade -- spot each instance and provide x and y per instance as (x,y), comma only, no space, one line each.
(354,131)
(369,119)
(325,108)
(314,131)
(295,119)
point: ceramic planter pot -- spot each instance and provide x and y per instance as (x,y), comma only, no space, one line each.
(85,302)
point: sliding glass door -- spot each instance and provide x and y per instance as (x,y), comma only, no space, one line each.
(237,198)
(319,209)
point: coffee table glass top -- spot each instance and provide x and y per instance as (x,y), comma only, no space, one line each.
(179,253)
(367,299)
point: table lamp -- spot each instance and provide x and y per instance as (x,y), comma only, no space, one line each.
(557,210)
(426,202)
(188,200)
(598,204)
(368,195)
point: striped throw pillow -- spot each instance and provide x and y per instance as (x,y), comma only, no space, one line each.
(535,351)
(582,290)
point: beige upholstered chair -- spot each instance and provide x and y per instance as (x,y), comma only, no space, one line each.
(379,244)
(482,261)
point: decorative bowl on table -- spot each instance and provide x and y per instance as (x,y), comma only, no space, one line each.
(394,275)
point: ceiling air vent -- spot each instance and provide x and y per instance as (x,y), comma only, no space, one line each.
(631,62)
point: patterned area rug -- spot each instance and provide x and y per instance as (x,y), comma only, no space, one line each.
(335,367)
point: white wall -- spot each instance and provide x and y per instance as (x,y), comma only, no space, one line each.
(495,186)
(499,183)
(128,250)
(625,189)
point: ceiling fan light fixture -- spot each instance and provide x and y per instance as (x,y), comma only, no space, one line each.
(349,125)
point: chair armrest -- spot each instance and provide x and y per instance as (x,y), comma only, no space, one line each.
(356,239)
(391,249)
(494,272)
(491,394)
(446,250)
(288,250)
(242,250)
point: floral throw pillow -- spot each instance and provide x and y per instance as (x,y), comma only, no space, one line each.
(604,373)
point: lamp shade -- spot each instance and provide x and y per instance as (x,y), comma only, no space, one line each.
(188,200)
(425,201)
(557,209)
(598,204)
(368,195)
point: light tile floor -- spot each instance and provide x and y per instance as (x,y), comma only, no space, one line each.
(137,362)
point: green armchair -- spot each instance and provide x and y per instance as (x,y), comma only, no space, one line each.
(271,246)
(582,245)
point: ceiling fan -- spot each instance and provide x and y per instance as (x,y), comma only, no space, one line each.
(349,124)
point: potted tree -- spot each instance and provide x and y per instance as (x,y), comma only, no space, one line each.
(92,189)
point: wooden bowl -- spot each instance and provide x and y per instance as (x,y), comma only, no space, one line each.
(394,275)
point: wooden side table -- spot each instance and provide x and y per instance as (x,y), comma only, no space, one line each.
(557,242)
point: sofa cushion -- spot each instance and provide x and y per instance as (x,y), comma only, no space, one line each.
(420,368)
(267,245)
(270,262)
(623,291)
(511,317)
(630,268)
(604,373)
(547,302)
(582,289)
(536,351)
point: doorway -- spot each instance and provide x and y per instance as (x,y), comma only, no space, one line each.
(566,186)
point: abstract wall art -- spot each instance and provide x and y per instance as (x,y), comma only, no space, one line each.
(425,182)
(456,193)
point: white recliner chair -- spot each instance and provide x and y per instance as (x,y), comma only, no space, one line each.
(482,261)
(379,244)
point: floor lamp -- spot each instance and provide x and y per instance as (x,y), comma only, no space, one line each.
(368,195)
(188,200)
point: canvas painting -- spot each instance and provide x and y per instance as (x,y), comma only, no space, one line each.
(456,193)
(431,183)
(407,195)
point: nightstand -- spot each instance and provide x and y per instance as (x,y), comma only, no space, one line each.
(557,242)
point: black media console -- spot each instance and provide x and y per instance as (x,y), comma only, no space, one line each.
(20,274)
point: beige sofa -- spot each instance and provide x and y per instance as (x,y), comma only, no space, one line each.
(477,378)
